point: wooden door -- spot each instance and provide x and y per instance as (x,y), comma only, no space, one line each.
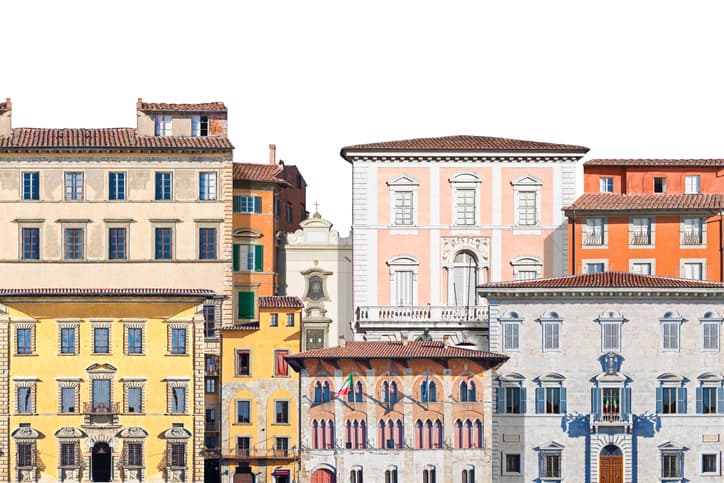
(611,469)
(322,476)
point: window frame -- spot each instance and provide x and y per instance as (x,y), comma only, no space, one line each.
(671,321)
(611,319)
(511,458)
(716,458)
(527,184)
(692,184)
(510,320)
(30,186)
(238,413)
(73,185)
(595,233)
(282,402)
(160,251)
(642,229)
(32,243)
(238,366)
(605,184)
(74,249)
(700,262)
(553,322)
(661,180)
(693,232)
(117,186)
(163,186)
(208,185)
(246,204)
(709,319)
(279,370)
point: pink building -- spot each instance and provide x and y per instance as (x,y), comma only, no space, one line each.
(434,217)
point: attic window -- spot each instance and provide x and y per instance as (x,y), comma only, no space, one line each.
(200,126)
(163,125)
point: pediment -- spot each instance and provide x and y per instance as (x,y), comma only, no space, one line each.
(403,180)
(671,446)
(247,233)
(177,432)
(101,367)
(26,432)
(132,432)
(527,180)
(69,432)
(611,378)
(551,446)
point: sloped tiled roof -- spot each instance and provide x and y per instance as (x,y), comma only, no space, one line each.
(280,302)
(104,292)
(166,106)
(258,172)
(657,201)
(463,143)
(397,350)
(605,280)
(104,138)
(655,162)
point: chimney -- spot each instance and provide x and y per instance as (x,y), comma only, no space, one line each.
(6,113)
(342,341)
(272,154)
(445,340)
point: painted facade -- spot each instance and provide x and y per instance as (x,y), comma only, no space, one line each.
(434,217)
(612,377)
(79,401)
(415,411)
(259,394)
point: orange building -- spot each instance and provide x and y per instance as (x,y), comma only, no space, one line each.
(658,217)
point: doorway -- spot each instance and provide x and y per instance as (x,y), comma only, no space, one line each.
(101,463)
(611,465)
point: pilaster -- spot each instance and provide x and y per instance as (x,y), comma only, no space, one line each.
(4,397)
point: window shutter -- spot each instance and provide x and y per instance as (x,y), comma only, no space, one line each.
(523,400)
(564,401)
(659,400)
(235,261)
(720,400)
(499,400)
(539,400)
(596,403)
(257,204)
(626,403)
(699,400)
(681,406)
(258,258)
(245,305)
(236,204)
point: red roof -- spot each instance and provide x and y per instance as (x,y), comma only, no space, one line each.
(398,350)
(604,280)
(105,138)
(165,106)
(655,162)
(657,201)
(258,172)
(278,302)
(463,143)
(102,292)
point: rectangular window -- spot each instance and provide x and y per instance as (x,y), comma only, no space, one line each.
(26,452)
(692,231)
(403,207)
(134,340)
(243,363)
(610,336)
(207,186)
(67,400)
(277,208)
(659,185)
(512,463)
(668,400)
(281,412)
(290,213)
(708,399)
(553,400)
(207,243)
(24,340)
(210,320)
(116,186)
(692,270)
(178,455)
(290,320)
(245,305)
(73,186)
(551,466)
(692,184)
(178,400)
(31,186)
(594,232)
(670,336)
(134,454)
(73,241)
(281,447)
(67,454)
(210,385)
(116,243)
(178,341)
(163,186)
(135,400)
(606,185)
(199,126)
(163,125)
(314,339)
(464,207)
(670,465)
(512,400)
(31,243)
(67,340)
(511,332)
(280,364)
(248,257)
(25,400)
(101,340)
(711,336)
(243,412)
(643,268)
(709,464)
(595,267)
(551,336)
(243,446)
(246,204)
(527,209)
(273,320)
(164,246)
(101,395)
(640,232)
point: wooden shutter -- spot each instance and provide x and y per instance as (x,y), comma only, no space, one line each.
(659,400)
(539,400)
(681,406)
(245,301)
(257,204)
(258,258)
(235,261)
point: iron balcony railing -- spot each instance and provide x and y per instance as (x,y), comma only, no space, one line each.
(593,239)
(691,238)
(640,239)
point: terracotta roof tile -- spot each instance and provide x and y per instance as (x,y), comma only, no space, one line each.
(655,162)
(398,350)
(105,138)
(604,280)
(165,106)
(463,143)
(658,201)
(258,172)
(101,292)
(278,302)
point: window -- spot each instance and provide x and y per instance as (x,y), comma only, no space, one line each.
(670,327)
(199,126)
(67,340)
(281,411)
(134,340)
(207,243)
(246,204)
(640,231)
(116,186)
(162,125)
(26,454)
(610,331)
(550,400)
(428,475)
(246,305)
(24,338)
(25,400)
(314,339)
(178,454)
(692,231)
(164,244)
(281,446)
(356,394)
(692,184)
(551,465)
(527,268)
(510,326)
(178,341)
(706,399)
(710,464)
(133,453)
(68,454)
(463,279)
(67,400)
(391,475)
(428,435)
(210,383)
(281,369)
(321,392)
(513,400)
(527,208)
(467,391)
(527,200)
(101,395)
(117,244)
(207,186)
(692,270)
(551,328)
(594,267)
(659,185)
(164,183)
(671,465)
(710,331)
(243,363)
(670,396)
(178,400)
(290,320)
(595,232)
(403,208)
(465,206)
(73,186)
(243,446)
(468,475)
(248,257)
(606,184)
(243,412)
(355,475)
(389,393)
(73,242)
(274,320)
(428,390)
(30,243)
(643,268)
(210,320)
(31,186)
(290,213)
(511,464)
(277,208)
(101,340)
(134,400)
(390,434)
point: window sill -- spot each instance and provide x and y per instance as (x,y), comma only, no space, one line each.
(67,354)
(281,424)
(101,353)
(27,355)
(241,424)
(172,354)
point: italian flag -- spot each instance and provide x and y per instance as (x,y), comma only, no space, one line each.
(346,387)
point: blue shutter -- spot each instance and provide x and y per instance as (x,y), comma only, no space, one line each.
(699,400)
(681,406)
(539,400)
(626,403)
(564,401)
(596,403)
(257,204)
(158,184)
(35,181)
(659,400)
(499,400)
(236,204)
(523,400)
(720,400)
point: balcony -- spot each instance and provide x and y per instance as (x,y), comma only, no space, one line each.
(640,239)
(416,316)
(593,239)
(269,453)
(611,420)
(691,238)
(102,408)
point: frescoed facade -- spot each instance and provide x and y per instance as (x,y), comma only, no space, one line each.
(395,411)
(612,378)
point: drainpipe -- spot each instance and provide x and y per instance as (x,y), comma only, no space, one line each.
(573,243)
(721,248)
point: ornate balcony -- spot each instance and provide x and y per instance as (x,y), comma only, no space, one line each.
(101,408)
(416,316)
(611,420)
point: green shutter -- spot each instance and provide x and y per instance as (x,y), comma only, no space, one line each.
(235,262)
(257,204)
(259,258)
(245,302)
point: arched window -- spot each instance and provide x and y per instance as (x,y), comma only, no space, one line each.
(385,392)
(468,475)
(458,441)
(418,434)
(428,475)
(317,392)
(400,434)
(362,436)
(325,392)
(463,391)
(478,434)
(355,475)
(323,434)
(437,435)
(403,280)
(468,436)
(471,392)
(358,392)
(315,434)
(356,434)
(391,475)
(381,439)
(432,392)
(464,279)
(427,442)
(393,392)
(330,434)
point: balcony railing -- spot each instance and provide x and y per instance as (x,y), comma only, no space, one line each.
(640,239)
(211,426)
(102,408)
(423,313)
(592,239)
(691,238)
(265,453)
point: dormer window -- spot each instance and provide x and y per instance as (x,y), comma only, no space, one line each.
(200,126)
(163,125)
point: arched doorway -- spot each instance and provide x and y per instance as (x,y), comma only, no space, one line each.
(611,465)
(323,476)
(101,469)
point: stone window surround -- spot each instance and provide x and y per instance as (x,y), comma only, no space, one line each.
(30,223)
(101,324)
(137,382)
(134,324)
(216,224)
(652,231)
(24,324)
(711,318)
(176,382)
(69,324)
(403,263)
(178,324)
(650,261)
(117,223)
(546,319)
(69,382)
(77,224)
(611,317)
(527,183)
(29,382)
(510,317)
(529,263)
(404,183)
(671,318)
(550,448)
(465,180)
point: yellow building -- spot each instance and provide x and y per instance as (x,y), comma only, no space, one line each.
(259,420)
(102,385)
